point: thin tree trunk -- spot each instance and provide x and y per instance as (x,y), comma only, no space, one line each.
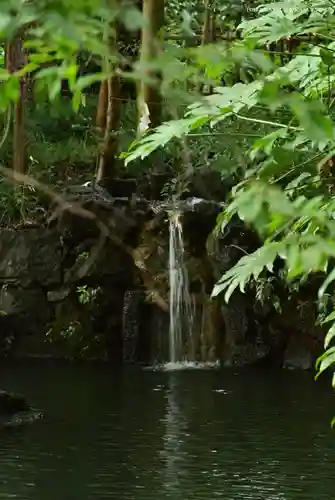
(19,157)
(108,158)
(102,105)
(208,32)
(108,114)
(14,60)
(150,99)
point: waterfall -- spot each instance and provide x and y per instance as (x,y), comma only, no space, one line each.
(181,306)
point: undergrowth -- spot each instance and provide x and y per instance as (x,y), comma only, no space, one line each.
(62,148)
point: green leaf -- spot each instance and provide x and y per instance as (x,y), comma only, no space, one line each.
(9,91)
(76,100)
(132,18)
(317,126)
(5,21)
(248,267)
(283,156)
(327,56)
(269,168)
(54,89)
(330,317)
(267,142)
(161,136)
(250,208)
(293,256)
(325,361)
(87,80)
(53,72)
(295,183)
(330,335)
(312,259)
(69,72)
(323,288)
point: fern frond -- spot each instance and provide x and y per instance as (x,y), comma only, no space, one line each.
(248,267)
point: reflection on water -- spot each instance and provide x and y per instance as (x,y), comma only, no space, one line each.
(173,455)
(181,435)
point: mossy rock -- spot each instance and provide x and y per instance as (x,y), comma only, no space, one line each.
(15,411)
(20,419)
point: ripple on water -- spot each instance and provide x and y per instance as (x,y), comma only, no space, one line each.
(203,435)
(183,365)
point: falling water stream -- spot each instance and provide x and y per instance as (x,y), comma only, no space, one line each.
(181,305)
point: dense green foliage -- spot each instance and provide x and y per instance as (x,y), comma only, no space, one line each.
(286,192)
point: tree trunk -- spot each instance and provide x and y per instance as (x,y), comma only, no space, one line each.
(127,40)
(14,60)
(108,158)
(150,99)
(208,35)
(102,106)
(108,115)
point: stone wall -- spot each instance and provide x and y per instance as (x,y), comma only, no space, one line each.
(63,288)
(47,307)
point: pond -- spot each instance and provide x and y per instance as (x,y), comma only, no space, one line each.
(188,435)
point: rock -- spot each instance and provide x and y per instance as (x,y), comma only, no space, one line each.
(15,411)
(106,216)
(235,316)
(195,205)
(133,301)
(24,315)
(17,300)
(63,290)
(58,295)
(30,256)
(12,403)
(297,355)
(20,419)
(111,263)
(226,250)
(248,353)
(145,330)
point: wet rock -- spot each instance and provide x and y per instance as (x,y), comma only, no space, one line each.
(235,318)
(15,300)
(20,419)
(59,294)
(297,355)
(43,268)
(247,353)
(15,411)
(12,403)
(145,330)
(225,250)
(24,313)
(131,323)
(30,256)
(99,265)
(195,205)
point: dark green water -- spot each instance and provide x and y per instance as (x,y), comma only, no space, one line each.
(183,435)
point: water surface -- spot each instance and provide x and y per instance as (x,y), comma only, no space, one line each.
(188,435)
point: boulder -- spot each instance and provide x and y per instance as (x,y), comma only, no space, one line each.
(30,257)
(12,403)
(248,353)
(15,300)
(15,411)
(297,356)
